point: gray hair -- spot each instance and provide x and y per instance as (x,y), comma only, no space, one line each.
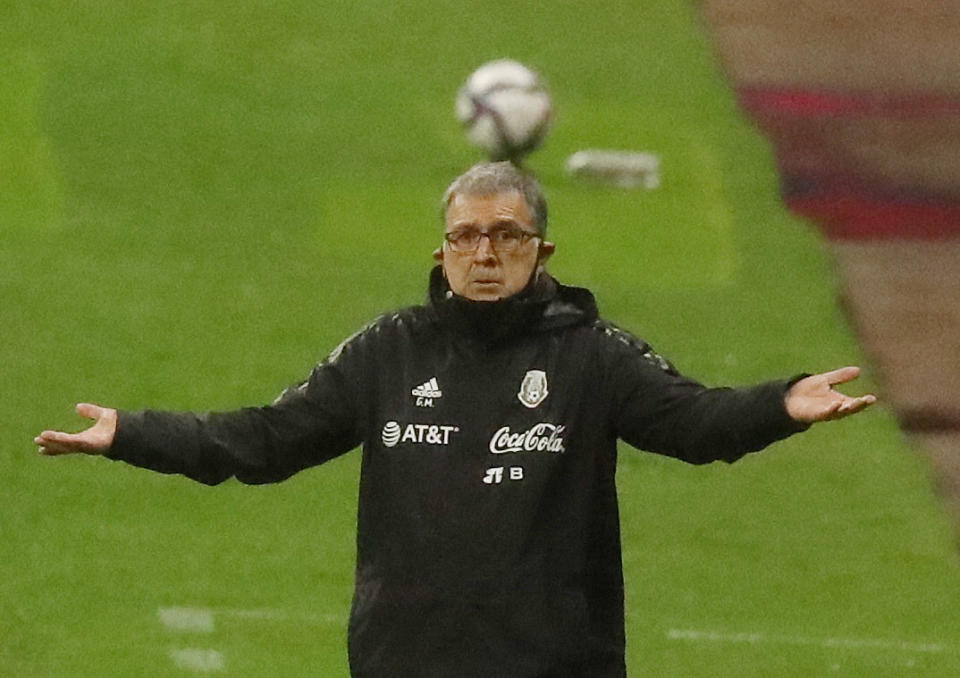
(490,178)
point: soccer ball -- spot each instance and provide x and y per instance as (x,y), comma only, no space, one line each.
(505,109)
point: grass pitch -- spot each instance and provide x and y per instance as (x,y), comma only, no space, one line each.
(198,202)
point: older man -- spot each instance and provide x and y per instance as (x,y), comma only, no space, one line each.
(488,533)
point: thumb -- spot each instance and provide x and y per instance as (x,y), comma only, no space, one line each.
(89,410)
(842,375)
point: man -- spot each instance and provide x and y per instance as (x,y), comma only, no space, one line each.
(488,534)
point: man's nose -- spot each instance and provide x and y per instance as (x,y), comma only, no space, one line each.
(484,251)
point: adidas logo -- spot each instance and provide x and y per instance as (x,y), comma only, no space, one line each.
(426,392)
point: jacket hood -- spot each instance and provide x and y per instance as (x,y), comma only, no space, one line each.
(544,304)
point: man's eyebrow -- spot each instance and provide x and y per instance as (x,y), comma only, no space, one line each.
(462,225)
(500,223)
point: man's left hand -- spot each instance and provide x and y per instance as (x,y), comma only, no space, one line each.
(814,399)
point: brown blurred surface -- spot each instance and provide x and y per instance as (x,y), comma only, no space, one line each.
(892,45)
(894,153)
(904,300)
(865,95)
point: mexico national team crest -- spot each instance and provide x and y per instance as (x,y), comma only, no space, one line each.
(533,390)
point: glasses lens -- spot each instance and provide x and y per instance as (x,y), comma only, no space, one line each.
(504,239)
(463,241)
(501,239)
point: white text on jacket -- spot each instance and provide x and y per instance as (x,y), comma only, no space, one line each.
(541,437)
(431,434)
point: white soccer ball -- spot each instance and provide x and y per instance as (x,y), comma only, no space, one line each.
(505,109)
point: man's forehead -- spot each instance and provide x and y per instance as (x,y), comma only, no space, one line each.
(481,207)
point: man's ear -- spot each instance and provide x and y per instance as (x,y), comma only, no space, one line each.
(546,251)
(438,255)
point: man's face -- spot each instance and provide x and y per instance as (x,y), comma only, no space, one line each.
(497,268)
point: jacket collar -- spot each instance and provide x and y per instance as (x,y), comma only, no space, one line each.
(544,304)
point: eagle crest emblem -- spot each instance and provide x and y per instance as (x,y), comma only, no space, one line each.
(533,390)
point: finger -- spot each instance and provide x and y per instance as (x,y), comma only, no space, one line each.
(57,438)
(52,449)
(856,404)
(57,442)
(831,410)
(49,450)
(67,443)
(842,375)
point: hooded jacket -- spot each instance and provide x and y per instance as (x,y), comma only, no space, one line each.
(488,539)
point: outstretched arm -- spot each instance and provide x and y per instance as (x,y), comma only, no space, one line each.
(660,410)
(813,398)
(311,423)
(307,425)
(95,440)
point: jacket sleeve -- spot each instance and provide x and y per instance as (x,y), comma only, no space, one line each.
(659,410)
(307,425)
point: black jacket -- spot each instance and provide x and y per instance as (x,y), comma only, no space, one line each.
(488,538)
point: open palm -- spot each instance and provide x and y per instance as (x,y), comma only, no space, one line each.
(95,440)
(814,399)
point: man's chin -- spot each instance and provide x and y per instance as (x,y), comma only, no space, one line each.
(485,292)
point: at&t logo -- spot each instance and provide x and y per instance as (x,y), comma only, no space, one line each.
(394,434)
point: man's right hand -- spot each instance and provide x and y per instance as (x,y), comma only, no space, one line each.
(95,440)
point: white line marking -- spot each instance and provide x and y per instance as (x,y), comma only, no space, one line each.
(844,643)
(197,660)
(275,615)
(187,619)
(182,619)
(201,619)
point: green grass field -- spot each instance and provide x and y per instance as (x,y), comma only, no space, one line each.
(198,200)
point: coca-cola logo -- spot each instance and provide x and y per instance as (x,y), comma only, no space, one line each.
(541,437)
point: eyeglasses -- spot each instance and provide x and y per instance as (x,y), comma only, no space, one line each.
(502,239)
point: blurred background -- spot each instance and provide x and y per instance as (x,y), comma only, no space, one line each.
(199,201)
(862,105)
